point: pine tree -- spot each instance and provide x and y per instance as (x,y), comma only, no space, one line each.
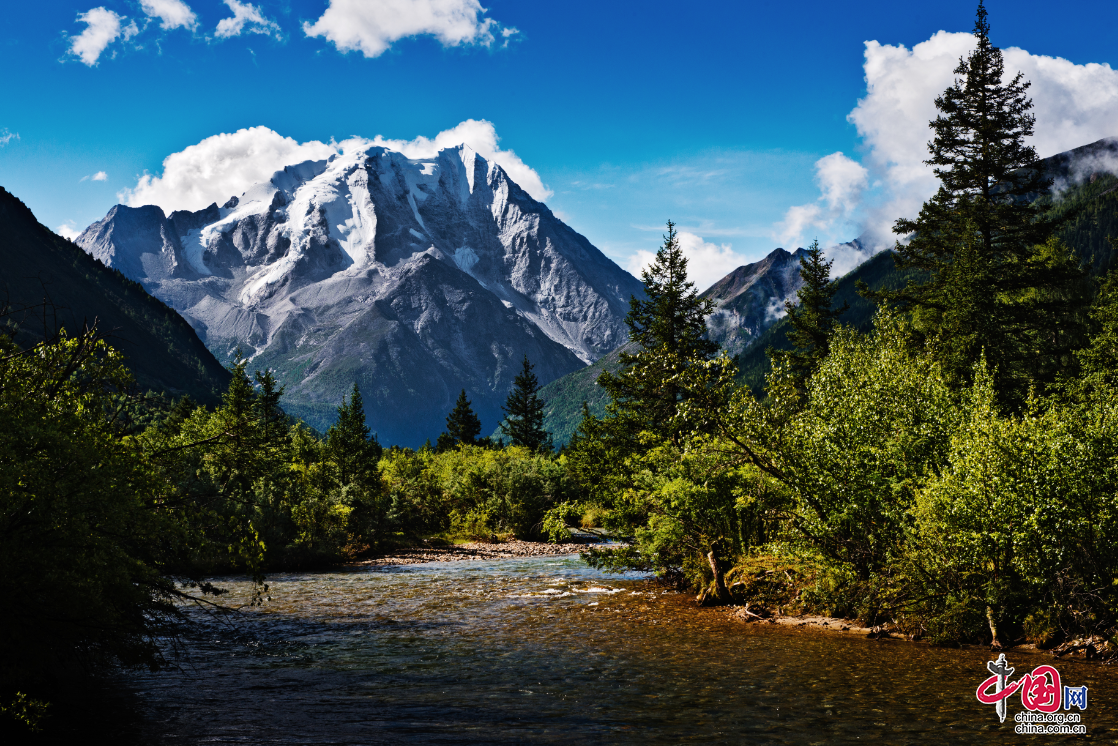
(348,443)
(462,426)
(670,327)
(997,285)
(523,423)
(267,405)
(813,320)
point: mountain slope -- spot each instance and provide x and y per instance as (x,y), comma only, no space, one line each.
(413,278)
(751,298)
(48,282)
(751,289)
(878,272)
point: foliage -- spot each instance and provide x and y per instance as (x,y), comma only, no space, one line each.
(473,492)
(1022,520)
(85,528)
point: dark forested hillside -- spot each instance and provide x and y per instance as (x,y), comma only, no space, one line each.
(47,283)
(1091,211)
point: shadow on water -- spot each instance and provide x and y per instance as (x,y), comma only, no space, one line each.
(547,650)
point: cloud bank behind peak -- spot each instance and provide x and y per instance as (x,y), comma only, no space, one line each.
(226,164)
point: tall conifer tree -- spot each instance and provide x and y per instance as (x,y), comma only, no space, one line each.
(462,425)
(813,319)
(670,327)
(523,423)
(348,442)
(997,285)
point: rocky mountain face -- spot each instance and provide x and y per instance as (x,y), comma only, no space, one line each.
(413,278)
(751,299)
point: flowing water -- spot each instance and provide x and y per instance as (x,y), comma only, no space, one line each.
(547,650)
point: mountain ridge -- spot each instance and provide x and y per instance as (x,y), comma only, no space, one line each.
(45,271)
(414,278)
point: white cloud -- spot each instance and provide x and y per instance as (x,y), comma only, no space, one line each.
(171,13)
(68,230)
(371,26)
(6,137)
(797,222)
(480,135)
(99,176)
(102,27)
(707,263)
(1074,105)
(219,167)
(841,181)
(246,15)
(227,164)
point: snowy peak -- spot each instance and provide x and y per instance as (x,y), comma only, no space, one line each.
(370,265)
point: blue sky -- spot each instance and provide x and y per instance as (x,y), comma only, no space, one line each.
(718,115)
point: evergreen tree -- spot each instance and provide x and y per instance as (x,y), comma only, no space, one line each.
(813,320)
(348,444)
(267,404)
(523,423)
(996,285)
(669,327)
(462,426)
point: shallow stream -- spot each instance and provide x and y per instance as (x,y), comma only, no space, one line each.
(547,650)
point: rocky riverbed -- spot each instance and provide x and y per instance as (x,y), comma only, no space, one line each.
(474,551)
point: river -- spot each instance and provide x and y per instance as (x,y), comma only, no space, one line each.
(547,650)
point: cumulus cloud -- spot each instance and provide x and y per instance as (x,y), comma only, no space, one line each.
(99,176)
(102,28)
(248,18)
(227,164)
(68,230)
(7,136)
(480,135)
(841,182)
(1074,105)
(707,263)
(371,26)
(171,13)
(219,167)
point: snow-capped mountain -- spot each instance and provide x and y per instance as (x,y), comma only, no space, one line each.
(412,278)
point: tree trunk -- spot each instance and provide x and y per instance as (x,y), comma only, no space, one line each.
(995,643)
(720,589)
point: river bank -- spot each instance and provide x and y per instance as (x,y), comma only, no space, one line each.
(471,551)
(1094,648)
